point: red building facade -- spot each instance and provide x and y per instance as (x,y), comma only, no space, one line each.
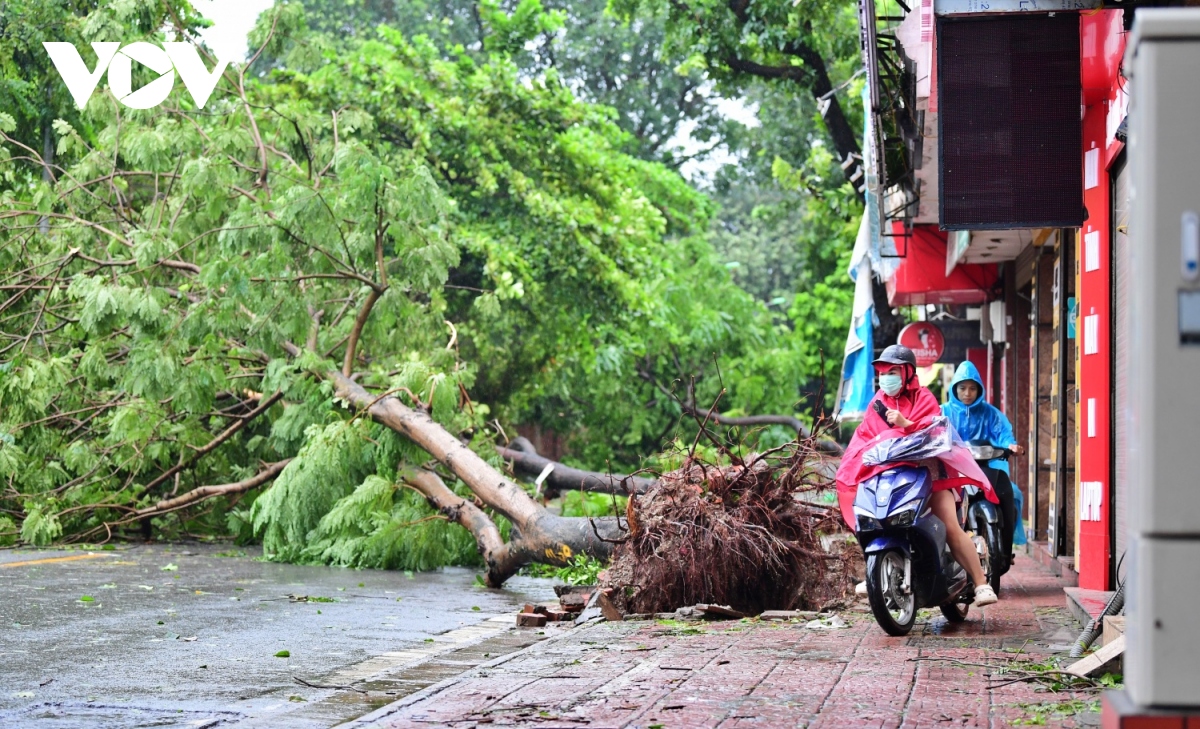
(1048,297)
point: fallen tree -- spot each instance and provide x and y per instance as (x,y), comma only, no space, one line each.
(538,534)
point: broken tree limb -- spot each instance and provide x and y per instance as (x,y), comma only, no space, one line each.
(526,460)
(469,516)
(221,437)
(538,535)
(824,445)
(542,541)
(207,492)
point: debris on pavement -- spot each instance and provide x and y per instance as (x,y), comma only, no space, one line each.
(720,611)
(530,620)
(574,598)
(708,674)
(831,622)
(789,615)
(1097,663)
(608,609)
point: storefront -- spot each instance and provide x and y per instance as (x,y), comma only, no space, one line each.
(1038,256)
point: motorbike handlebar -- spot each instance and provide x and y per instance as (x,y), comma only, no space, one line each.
(989,452)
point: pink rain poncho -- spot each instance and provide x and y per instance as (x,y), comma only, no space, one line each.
(920,406)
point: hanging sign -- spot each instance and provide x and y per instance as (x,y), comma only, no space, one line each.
(925,340)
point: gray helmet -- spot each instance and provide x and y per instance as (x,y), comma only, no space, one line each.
(897,354)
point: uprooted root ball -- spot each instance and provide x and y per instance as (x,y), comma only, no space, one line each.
(746,535)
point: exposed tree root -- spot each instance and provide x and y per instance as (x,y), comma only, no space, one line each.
(745,535)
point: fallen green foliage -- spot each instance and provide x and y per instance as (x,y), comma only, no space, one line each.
(582,570)
(1044,713)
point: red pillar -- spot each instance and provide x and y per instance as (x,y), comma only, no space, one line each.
(1093,348)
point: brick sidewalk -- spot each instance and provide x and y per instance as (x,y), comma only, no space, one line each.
(649,674)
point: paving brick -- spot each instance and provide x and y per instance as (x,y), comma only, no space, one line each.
(530,620)
(737,675)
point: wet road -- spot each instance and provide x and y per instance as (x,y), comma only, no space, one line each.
(196,635)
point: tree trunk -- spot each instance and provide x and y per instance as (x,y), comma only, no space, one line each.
(537,534)
(845,138)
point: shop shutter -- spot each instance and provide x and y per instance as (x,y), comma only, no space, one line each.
(1009,124)
(1120,379)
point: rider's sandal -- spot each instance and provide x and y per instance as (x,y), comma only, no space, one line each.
(985,596)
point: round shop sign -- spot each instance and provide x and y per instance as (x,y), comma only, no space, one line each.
(925,340)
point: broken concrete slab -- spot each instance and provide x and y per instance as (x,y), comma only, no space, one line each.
(591,610)
(1113,626)
(574,598)
(719,611)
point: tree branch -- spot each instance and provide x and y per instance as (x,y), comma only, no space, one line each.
(360,321)
(207,448)
(207,492)
(499,557)
(526,460)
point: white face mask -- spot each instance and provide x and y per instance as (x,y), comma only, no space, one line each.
(890,384)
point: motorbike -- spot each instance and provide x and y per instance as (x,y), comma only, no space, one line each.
(992,523)
(909,564)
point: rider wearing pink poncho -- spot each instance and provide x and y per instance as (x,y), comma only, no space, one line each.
(910,408)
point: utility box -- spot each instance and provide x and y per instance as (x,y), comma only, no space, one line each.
(1163,413)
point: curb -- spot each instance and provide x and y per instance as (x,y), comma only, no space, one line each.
(370,720)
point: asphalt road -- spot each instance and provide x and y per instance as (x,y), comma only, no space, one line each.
(193,635)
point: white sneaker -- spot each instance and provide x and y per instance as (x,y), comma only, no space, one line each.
(985,596)
(861,589)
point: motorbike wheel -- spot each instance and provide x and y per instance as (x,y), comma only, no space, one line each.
(892,601)
(955,612)
(992,559)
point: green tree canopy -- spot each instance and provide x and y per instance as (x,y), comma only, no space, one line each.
(442,230)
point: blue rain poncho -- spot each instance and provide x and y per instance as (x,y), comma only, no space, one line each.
(982,421)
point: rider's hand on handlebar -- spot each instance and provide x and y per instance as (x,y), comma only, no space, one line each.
(895,419)
(1016,450)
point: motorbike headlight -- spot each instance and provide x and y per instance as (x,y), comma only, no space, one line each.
(868,523)
(902,519)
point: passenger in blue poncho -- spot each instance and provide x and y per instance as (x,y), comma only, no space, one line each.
(976,420)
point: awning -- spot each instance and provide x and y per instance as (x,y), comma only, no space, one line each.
(921,277)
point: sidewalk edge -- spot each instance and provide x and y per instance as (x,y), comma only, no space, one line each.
(384,711)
